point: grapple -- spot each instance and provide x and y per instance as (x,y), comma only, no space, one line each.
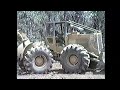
(24,45)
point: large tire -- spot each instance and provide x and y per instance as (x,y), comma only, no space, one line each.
(82,58)
(32,65)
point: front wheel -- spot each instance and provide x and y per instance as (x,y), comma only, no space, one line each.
(38,60)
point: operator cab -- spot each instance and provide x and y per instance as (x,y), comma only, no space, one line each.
(55,31)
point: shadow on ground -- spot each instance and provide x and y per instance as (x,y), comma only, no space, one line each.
(58,71)
(61,71)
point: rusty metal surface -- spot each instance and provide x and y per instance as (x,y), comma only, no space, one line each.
(73,59)
(40,60)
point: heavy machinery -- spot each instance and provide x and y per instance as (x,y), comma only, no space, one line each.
(76,46)
(23,44)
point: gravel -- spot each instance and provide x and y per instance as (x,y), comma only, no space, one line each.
(58,73)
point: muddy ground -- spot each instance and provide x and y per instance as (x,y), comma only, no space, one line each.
(58,73)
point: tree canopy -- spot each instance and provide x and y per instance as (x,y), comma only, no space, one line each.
(30,21)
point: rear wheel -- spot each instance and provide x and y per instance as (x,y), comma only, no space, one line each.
(38,60)
(74,59)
